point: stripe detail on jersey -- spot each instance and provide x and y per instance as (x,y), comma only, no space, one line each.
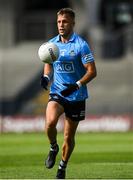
(88,58)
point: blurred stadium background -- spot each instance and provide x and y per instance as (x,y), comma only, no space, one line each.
(106,24)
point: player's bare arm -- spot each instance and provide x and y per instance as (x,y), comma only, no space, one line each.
(48,69)
(90,74)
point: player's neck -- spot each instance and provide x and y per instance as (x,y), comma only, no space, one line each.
(65,39)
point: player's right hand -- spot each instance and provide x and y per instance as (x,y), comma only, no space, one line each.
(70,89)
(44,82)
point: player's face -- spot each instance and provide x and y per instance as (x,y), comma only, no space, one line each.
(65,25)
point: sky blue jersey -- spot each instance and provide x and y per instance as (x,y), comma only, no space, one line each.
(68,68)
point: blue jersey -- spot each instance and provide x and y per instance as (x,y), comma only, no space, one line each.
(68,68)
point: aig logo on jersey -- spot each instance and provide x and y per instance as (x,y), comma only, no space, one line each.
(64,67)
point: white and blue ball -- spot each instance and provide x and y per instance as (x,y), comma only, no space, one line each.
(48,52)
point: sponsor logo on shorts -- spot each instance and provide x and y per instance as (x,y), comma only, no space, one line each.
(53,97)
(82,113)
(75,115)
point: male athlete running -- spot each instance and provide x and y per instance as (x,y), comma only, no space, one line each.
(69,75)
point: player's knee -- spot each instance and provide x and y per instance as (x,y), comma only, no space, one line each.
(69,140)
(50,124)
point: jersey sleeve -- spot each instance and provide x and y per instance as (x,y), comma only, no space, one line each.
(86,54)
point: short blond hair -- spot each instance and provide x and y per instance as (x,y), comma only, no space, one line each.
(66,11)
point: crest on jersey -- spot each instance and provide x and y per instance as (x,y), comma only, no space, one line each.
(72,53)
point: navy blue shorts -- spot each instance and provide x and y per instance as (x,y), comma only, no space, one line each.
(75,110)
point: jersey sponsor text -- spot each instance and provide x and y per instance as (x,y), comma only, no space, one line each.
(64,67)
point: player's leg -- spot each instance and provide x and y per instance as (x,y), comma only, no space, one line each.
(53,111)
(68,145)
(75,112)
(69,138)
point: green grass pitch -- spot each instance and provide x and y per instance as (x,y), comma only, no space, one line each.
(96,155)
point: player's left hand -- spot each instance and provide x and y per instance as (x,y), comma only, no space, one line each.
(70,89)
(44,82)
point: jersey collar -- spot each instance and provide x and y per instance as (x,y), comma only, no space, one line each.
(72,38)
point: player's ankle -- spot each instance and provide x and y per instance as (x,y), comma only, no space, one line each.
(62,165)
(54,146)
